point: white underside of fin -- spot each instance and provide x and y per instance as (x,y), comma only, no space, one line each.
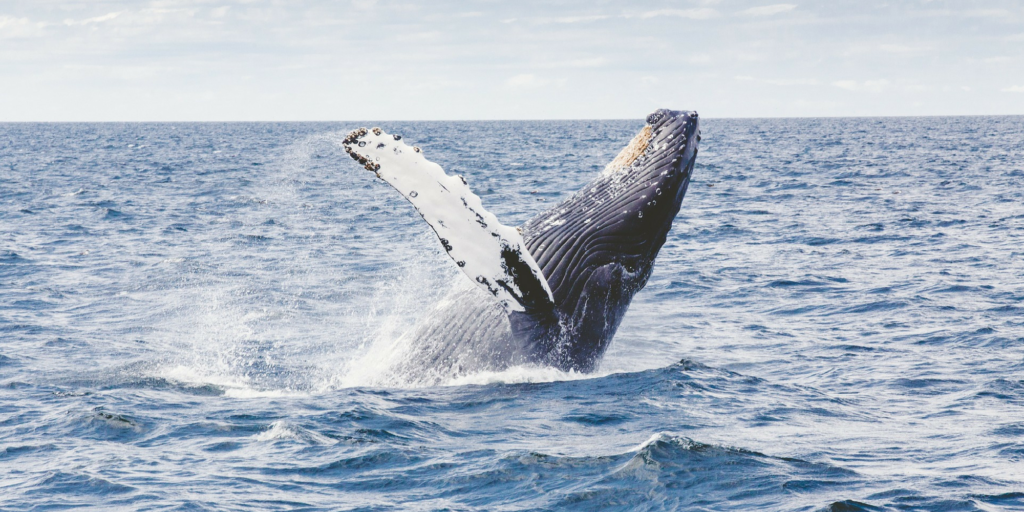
(481,246)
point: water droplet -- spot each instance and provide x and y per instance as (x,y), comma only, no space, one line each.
(641,215)
(362,143)
(659,191)
(413,193)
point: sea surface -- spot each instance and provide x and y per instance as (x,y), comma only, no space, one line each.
(189,313)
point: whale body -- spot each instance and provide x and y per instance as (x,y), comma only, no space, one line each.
(555,289)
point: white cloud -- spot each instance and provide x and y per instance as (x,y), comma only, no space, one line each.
(868,85)
(96,19)
(996,60)
(11,27)
(693,14)
(363,5)
(902,48)
(769,10)
(9,21)
(592,62)
(784,82)
(526,81)
(988,13)
(573,19)
(1014,88)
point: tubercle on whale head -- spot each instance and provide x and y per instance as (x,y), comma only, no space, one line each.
(658,178)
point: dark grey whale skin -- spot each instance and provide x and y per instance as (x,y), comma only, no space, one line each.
(596,249)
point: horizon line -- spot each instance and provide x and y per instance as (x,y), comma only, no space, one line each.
(505,120)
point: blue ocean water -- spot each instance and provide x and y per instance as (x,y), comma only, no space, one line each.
(192,315)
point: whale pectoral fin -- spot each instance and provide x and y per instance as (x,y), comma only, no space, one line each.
(493,255)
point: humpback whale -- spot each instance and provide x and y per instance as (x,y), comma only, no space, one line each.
(561,283)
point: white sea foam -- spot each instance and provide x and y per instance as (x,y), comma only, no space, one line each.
(283,430)
(232,386)
(521,375)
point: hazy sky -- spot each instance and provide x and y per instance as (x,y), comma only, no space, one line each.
(364,59)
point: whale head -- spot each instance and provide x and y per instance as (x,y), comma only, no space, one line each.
(597,248)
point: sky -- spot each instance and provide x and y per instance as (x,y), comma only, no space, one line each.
(276,60)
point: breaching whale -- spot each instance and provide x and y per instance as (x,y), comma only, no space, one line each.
(560,283)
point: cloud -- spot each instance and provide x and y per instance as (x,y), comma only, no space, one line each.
(11,27)
(780,82)
(592,62)
(693,14)
(8,21)
(769,10)
(1014,88)
(363,5)
(574,19)
(902,48)
(526,81)
(97,19)
(868,85)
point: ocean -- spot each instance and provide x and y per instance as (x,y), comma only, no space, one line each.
(196,316)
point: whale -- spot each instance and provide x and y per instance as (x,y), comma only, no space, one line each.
(549,293)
